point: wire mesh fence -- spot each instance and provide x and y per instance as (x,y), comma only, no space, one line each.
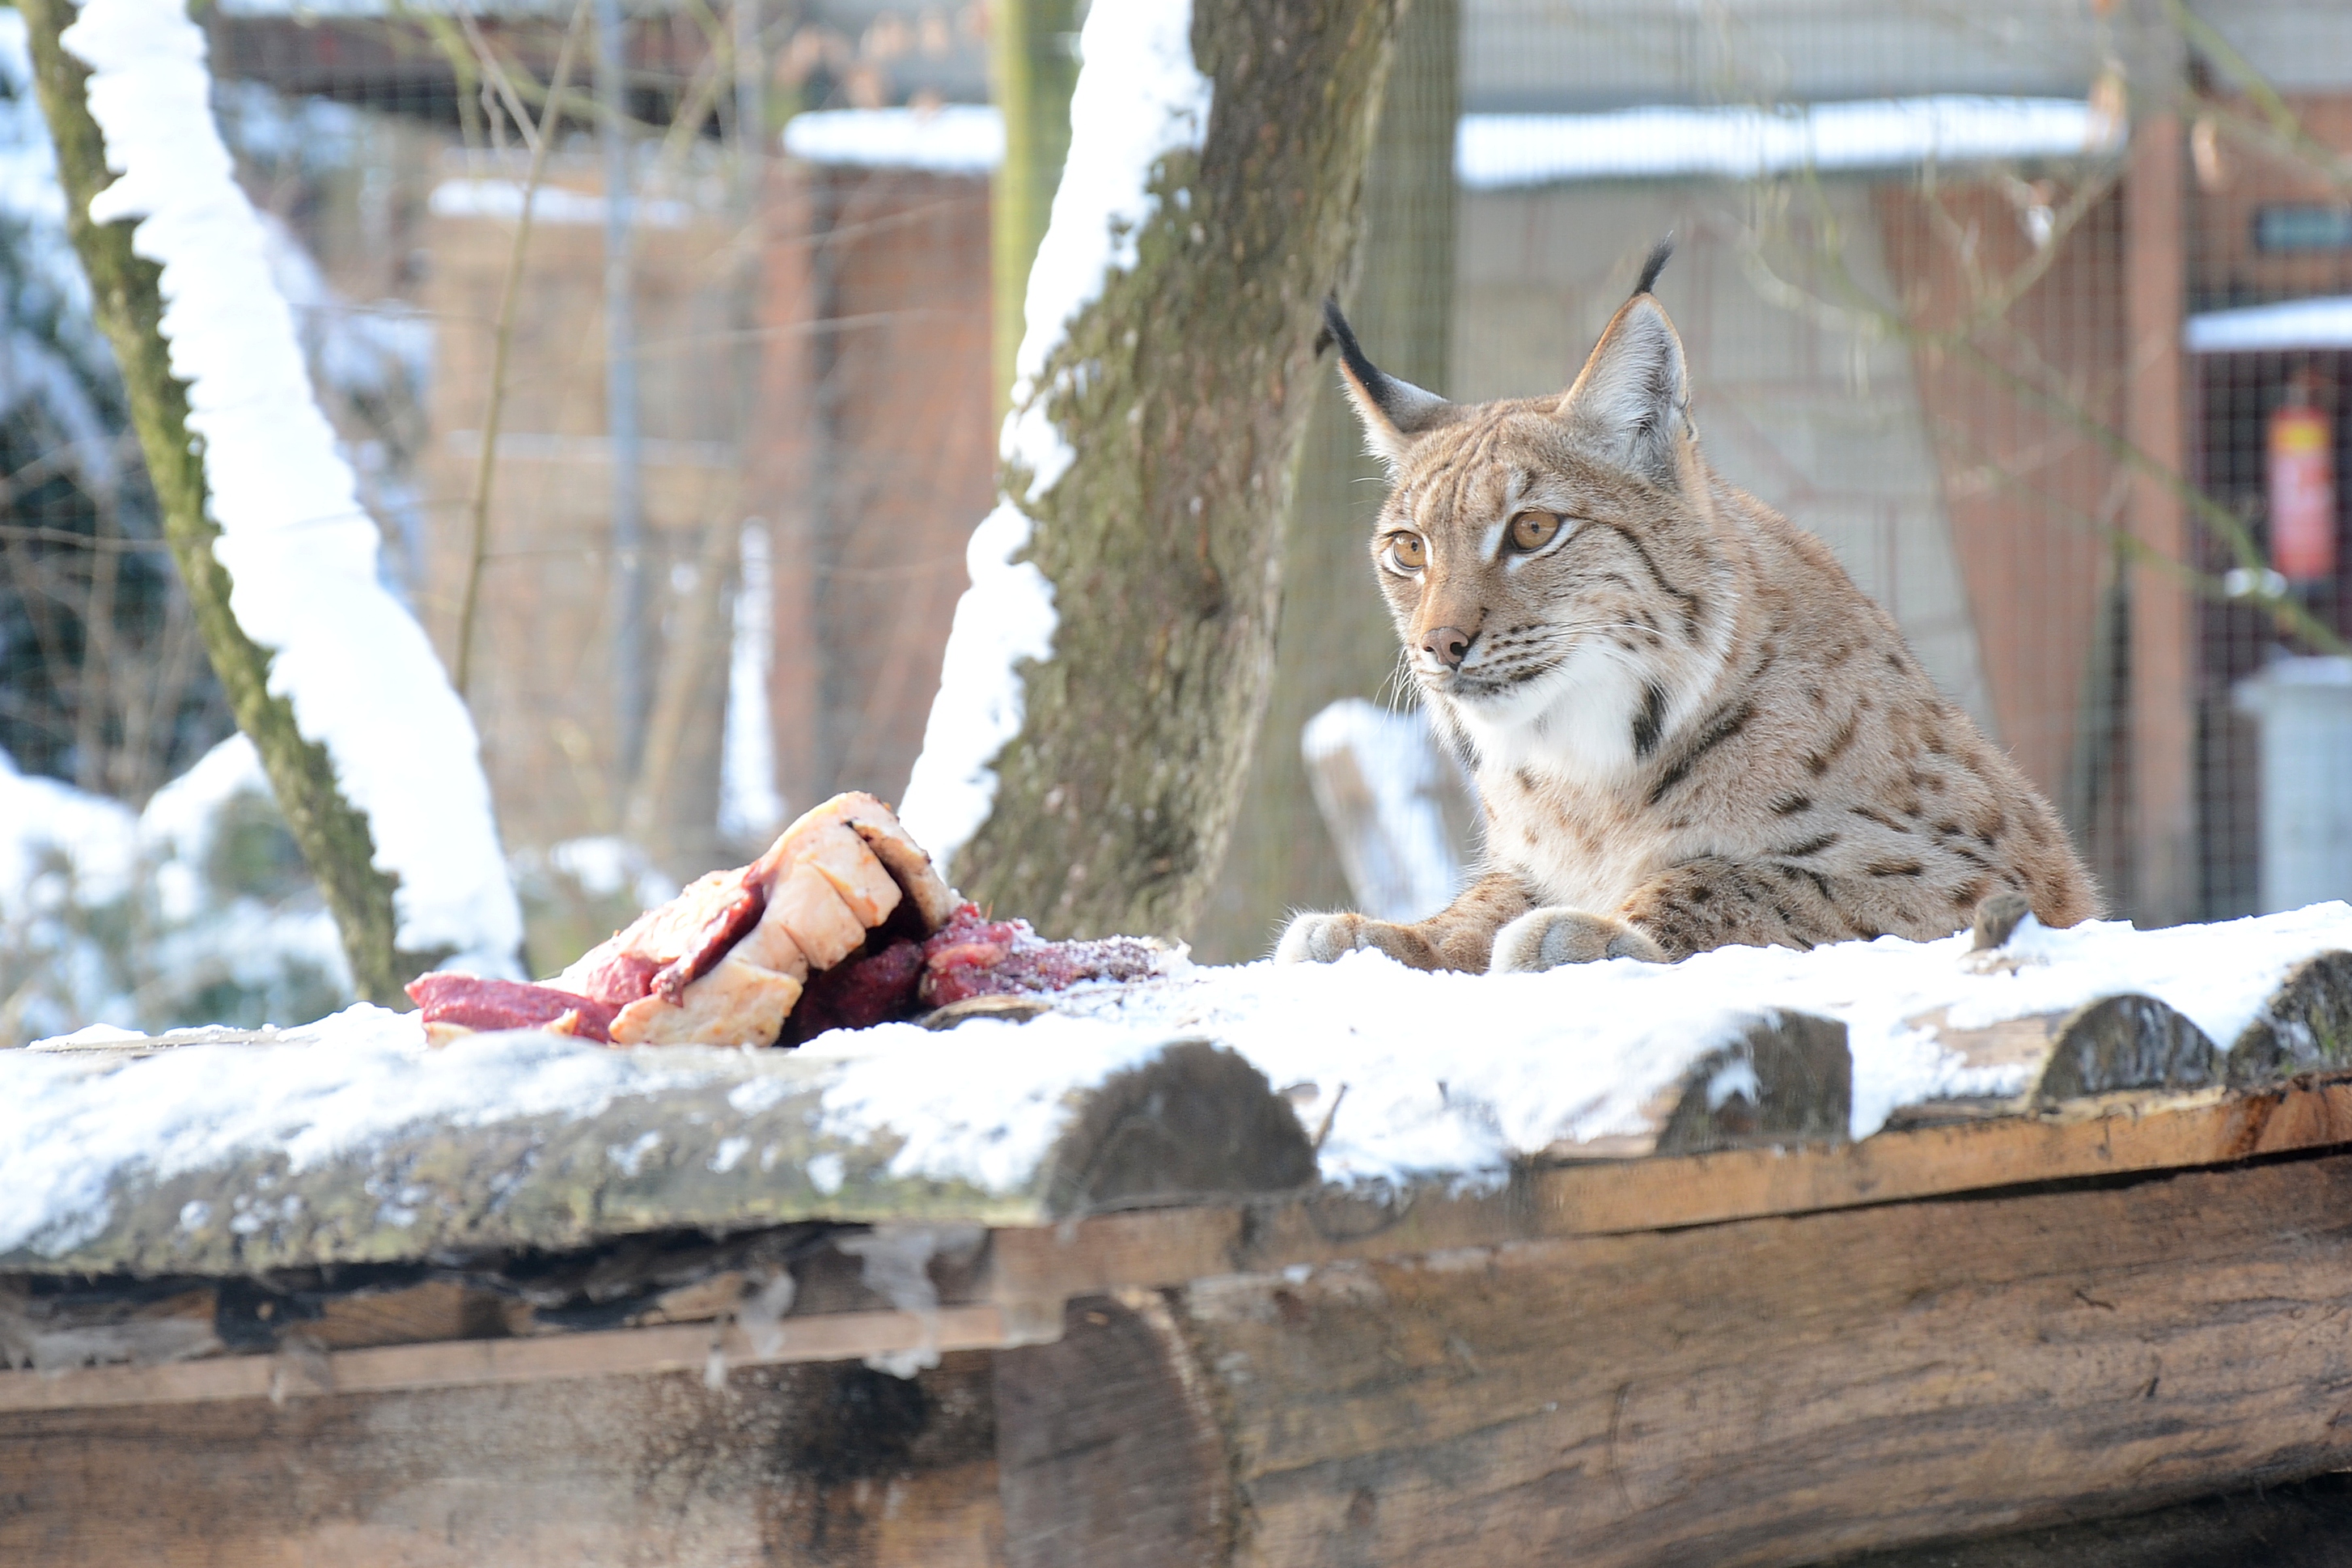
(2037,312)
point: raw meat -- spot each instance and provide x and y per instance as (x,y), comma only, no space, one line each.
(974,956)
(470,1003)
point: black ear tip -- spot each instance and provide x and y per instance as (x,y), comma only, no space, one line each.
(1660,253)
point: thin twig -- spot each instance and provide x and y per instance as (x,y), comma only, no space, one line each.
(486,465)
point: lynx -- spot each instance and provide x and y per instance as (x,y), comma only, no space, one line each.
(1689,729)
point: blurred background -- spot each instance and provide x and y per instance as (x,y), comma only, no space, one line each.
(2038,311)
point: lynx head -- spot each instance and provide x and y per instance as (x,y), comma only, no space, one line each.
(1552,563)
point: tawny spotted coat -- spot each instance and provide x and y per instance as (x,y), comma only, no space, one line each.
(1690,728)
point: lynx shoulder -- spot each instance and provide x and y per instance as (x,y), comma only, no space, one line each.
(1689,729)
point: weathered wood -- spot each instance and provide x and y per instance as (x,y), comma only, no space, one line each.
(2305,1524)
(2305,1026)
(1779,1391)
(792,1466)
(310,1371)
(1107,1449)
(1192,1122)
(1788,1079)
(2127,1042)
(1597,1199)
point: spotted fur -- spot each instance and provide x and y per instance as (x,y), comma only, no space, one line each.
(1690,728)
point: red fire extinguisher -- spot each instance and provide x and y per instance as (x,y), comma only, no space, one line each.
(2302,487)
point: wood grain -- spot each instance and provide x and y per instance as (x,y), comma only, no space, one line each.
(1108,1450)
(304,1372)
(2100,1139)
(792,1466)
(1783,1390)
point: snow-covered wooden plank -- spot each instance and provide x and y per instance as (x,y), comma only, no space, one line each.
(235,1160)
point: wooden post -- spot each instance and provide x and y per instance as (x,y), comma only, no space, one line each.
(790,476)
(2163,883)
(1036,69)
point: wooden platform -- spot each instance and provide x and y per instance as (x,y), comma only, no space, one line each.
(2125,1286)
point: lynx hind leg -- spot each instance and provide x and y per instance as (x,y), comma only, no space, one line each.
(1547,939)
(1324,938)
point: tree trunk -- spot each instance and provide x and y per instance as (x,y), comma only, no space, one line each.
(127,300)
(1183,391)
(1335,639)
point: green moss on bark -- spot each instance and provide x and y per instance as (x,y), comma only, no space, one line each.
(1162,539)
(127,299)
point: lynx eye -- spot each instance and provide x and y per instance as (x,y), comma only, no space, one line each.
(1408,552)
(1531,531)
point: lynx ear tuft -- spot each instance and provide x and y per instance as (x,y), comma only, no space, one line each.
(1394,413)
(1633,399)
(1660,253)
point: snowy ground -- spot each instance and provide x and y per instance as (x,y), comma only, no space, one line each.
(1418,1075)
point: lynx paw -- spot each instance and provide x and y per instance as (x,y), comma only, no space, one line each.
(1545,939)
(1322,939)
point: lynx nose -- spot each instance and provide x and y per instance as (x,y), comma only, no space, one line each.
(1447,644)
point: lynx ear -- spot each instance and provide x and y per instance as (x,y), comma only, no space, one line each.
(1394,411)
(1634,397)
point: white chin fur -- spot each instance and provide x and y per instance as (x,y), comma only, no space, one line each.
(1578,720)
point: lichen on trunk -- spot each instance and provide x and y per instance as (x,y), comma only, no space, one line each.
(1183,391)
(126,298)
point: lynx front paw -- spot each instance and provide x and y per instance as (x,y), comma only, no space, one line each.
(1545,939)
(1322,939)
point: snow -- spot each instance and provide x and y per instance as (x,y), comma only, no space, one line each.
(952,139)
(342,1085)
(1401,863)
(749,806)
(1499,151)
(1005,616)
(1139,99)
(1455,1074)
(1418,1075)
(1503,152)
(360,676)
(54,838)
(2324,323)
(502,199)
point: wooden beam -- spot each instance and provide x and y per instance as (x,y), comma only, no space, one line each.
(792,1467)
(2115,1136)
(2164,651)
(453,1364)
(1781,1390)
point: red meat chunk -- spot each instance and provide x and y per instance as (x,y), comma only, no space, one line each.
(474,1003)
(974,956)
(859,993)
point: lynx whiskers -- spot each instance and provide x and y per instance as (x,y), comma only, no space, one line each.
(1688,728)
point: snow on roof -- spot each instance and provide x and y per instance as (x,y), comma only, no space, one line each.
(301,552)
(550,204)
(2325,323)
(1418,1075)
(1498,151)
(954,139)
(1502,152)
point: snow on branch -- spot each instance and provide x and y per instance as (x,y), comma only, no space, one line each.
(358,671)
(1139,98)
